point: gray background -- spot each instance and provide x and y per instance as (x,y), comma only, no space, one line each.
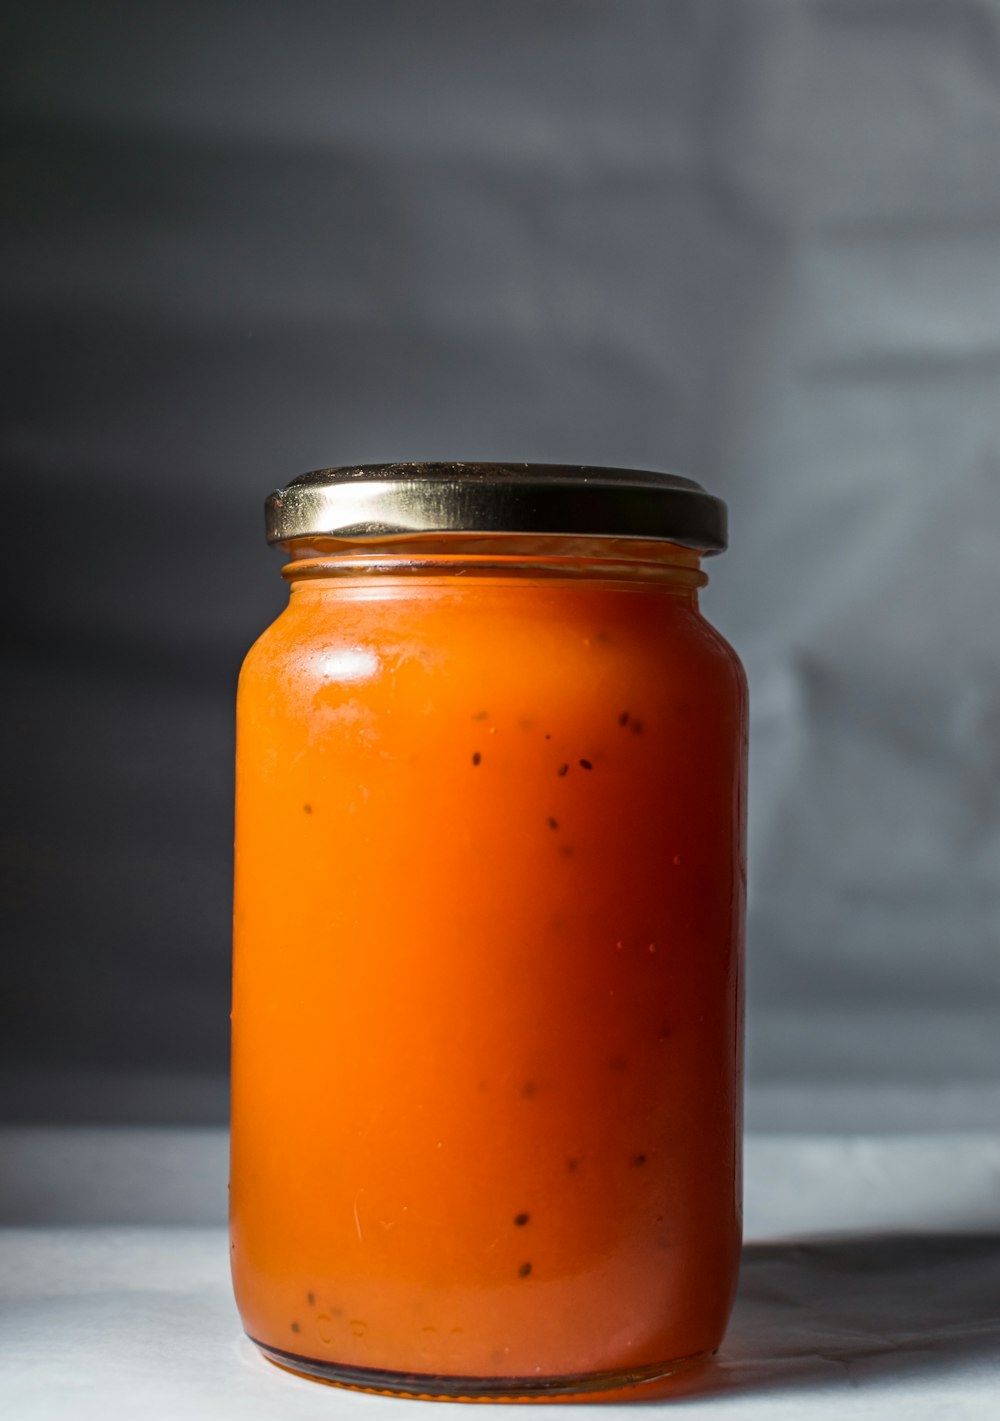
(755,241)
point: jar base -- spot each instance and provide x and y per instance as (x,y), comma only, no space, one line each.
(430,1387)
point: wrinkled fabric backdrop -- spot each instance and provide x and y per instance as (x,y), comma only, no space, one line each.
(753,241)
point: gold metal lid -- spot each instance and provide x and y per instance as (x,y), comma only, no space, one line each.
(389,500)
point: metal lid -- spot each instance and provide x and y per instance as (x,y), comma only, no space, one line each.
(388,500)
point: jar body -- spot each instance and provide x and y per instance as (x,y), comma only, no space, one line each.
(487,1007)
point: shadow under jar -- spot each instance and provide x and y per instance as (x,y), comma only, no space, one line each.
(487,999)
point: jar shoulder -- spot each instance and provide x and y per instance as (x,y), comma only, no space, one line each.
(324,640)
(272,647)
(721,651)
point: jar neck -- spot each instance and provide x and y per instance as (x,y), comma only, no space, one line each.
(496,556)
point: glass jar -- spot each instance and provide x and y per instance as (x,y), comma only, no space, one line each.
(487,999)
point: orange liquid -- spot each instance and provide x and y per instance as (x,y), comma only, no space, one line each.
(487,1005)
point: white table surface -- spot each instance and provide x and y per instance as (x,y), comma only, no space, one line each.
(870,1285)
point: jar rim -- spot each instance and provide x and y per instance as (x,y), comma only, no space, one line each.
(362,501)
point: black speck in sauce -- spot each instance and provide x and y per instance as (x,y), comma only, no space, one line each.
(296,1327)
(480,715)
(521,1219)
(623,718)
(639,1161)
(476,758)
(529,1090)
(637,727)
(307,809)
(548,737)
(562,770)
(586,765)
(552,823)
(524,1270)
(572,1165)
(311,1299)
